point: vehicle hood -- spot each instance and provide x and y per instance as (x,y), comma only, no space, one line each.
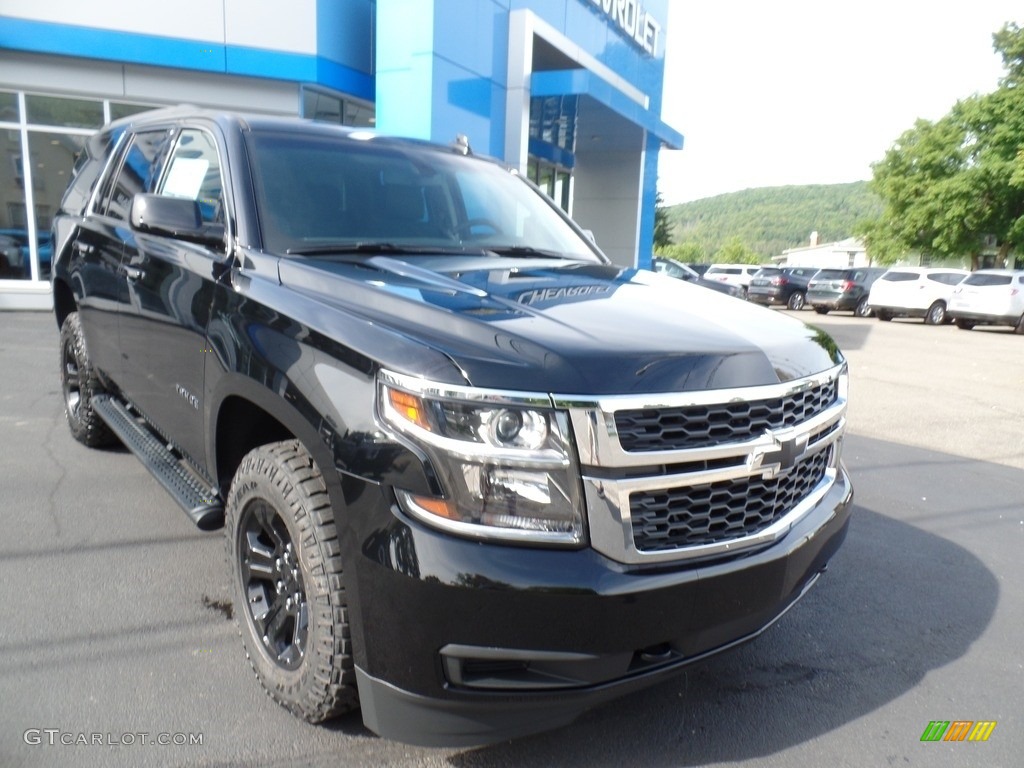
(567,328)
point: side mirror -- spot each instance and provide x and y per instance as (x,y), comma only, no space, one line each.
(174,217)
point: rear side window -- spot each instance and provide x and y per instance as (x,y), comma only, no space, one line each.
(983,280)
(946,278)
(900,277)
(139,172)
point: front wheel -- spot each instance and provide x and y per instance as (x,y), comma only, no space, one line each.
(936,314)
(288,585)
(964,325)
(796,301)
(80,384)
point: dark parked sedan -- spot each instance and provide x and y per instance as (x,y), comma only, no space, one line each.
(781,285)
(843,289)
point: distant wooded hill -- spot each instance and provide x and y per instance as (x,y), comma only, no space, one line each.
(771,219)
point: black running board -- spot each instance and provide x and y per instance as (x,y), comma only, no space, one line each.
(200,503)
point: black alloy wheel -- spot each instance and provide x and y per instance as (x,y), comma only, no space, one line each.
(272,582)
(79,385)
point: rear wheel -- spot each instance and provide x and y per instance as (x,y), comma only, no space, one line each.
(863,309)
(936,314)
(964,325)
(80,384)
(821,310)
(883,315)
(796,301)
(287,582)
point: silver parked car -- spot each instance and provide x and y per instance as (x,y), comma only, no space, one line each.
(989,297)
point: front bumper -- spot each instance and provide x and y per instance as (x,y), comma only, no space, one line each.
(465,643)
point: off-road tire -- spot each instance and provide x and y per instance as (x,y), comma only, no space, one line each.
(79,385)
(279,520)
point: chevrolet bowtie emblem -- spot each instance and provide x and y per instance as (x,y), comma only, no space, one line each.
(780,459)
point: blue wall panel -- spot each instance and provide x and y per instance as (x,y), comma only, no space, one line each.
(344,33)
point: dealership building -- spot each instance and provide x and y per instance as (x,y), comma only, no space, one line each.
(568,91)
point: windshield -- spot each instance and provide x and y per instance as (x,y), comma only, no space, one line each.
(319,193)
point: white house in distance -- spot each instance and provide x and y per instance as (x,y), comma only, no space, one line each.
(839,255)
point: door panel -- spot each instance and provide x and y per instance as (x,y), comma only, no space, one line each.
(170,285)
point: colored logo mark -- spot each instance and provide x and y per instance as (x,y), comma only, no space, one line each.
(958,730)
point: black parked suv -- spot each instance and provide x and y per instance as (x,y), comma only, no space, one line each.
(474,477)
(780,285)
(843,289)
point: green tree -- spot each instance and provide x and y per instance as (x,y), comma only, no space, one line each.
(662,226)
(945,185)
(735,251)
(687,253)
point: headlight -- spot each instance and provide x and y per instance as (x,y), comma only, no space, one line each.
(504,460)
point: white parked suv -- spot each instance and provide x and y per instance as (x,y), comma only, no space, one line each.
(989,297)
(915,292)
(739,275)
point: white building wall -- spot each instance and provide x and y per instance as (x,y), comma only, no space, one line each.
(232,22)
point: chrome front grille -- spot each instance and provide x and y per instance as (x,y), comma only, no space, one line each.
(695,426)
(694,515)
(699,475)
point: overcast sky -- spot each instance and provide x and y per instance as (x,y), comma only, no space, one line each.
(810,91)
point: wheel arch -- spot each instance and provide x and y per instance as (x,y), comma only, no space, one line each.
(63,301)
(247,416)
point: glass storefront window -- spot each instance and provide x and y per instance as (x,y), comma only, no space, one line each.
(53,157)
(327,108)
(9,112)
(119,109)
(69,113)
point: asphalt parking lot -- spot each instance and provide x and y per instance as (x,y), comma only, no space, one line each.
(115,617)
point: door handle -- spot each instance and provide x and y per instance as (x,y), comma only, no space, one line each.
(133,273)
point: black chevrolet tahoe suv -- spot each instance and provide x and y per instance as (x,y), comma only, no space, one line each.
(474,478)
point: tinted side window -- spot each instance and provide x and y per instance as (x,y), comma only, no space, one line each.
(946,278)
(193,172)
(988,280)
(138,173)
(900,277)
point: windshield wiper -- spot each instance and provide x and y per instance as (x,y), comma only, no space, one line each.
(375,248)
(525,250)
